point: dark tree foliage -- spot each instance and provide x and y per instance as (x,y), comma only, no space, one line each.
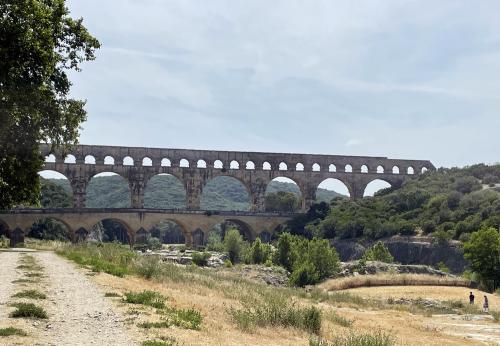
(39,42)
(281,201)
(448,203)
(483,252)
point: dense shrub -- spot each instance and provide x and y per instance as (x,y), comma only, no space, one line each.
(309,260)
(233,245)
(378,252)
(200,259)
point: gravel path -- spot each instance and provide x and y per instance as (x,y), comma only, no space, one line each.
(8,273)
(79,314)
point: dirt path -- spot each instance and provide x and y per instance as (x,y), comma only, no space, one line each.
(79,314)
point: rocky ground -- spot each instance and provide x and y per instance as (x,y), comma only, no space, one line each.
(78,313)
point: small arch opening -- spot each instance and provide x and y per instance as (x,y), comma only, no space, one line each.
(410,170)
(234,165)
(90,160)
(184,163)
(70,159)
(218,164)
(332,168)
(201,164)
(282,166)
(424,169)
(299,167)
(147,161)
(128,161)
(348,169)
(109,160)
(364,169)
(165,162)
(250,165)
(316,167)
(266,166)
(380,169)
(395,170)
(51,158)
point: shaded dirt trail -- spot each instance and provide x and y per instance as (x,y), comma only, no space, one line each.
(79,314)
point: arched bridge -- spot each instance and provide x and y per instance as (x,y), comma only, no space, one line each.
(255,170)
(194,168)
(195,225)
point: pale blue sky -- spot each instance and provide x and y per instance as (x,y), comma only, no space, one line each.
(403,79)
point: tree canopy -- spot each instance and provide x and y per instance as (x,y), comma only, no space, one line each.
(39,43)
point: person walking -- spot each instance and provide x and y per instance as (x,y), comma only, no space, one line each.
(486,305)
(471,298)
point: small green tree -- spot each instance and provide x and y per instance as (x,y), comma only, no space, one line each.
(483,252)
(233,245)
(378,252)
(283,255)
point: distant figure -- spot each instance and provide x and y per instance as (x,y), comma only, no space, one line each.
(471,298)
(485,305)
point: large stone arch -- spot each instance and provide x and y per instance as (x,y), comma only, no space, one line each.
(302,189)
(247,230)
(158,180)
(241,182)
(130,231)
(366,190)
(4,228)
(335,184)
(124,181)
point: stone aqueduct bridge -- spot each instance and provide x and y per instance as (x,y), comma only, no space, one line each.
(194,168)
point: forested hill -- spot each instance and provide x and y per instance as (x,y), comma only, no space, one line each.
(447,203)
(163,191)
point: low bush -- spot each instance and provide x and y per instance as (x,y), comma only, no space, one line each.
(378,338)
(378,252)
(112,295)
(10,331)
(277,311)
(149,298)
(200,258)
(184,318)
(31,294)
(28,310)
(166,341)
(148,266)
(496,315)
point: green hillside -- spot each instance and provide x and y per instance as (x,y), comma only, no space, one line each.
(166,191)
(447,203)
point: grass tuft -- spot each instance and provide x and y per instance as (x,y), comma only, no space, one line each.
(12,331)
(183,318)
(28,310)
(378,338)
(112,294)
(341,321)
(31,294)
(166,342)
(149,298)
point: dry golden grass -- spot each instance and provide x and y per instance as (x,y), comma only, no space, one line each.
(218,328)
(432,292)
(391,280)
